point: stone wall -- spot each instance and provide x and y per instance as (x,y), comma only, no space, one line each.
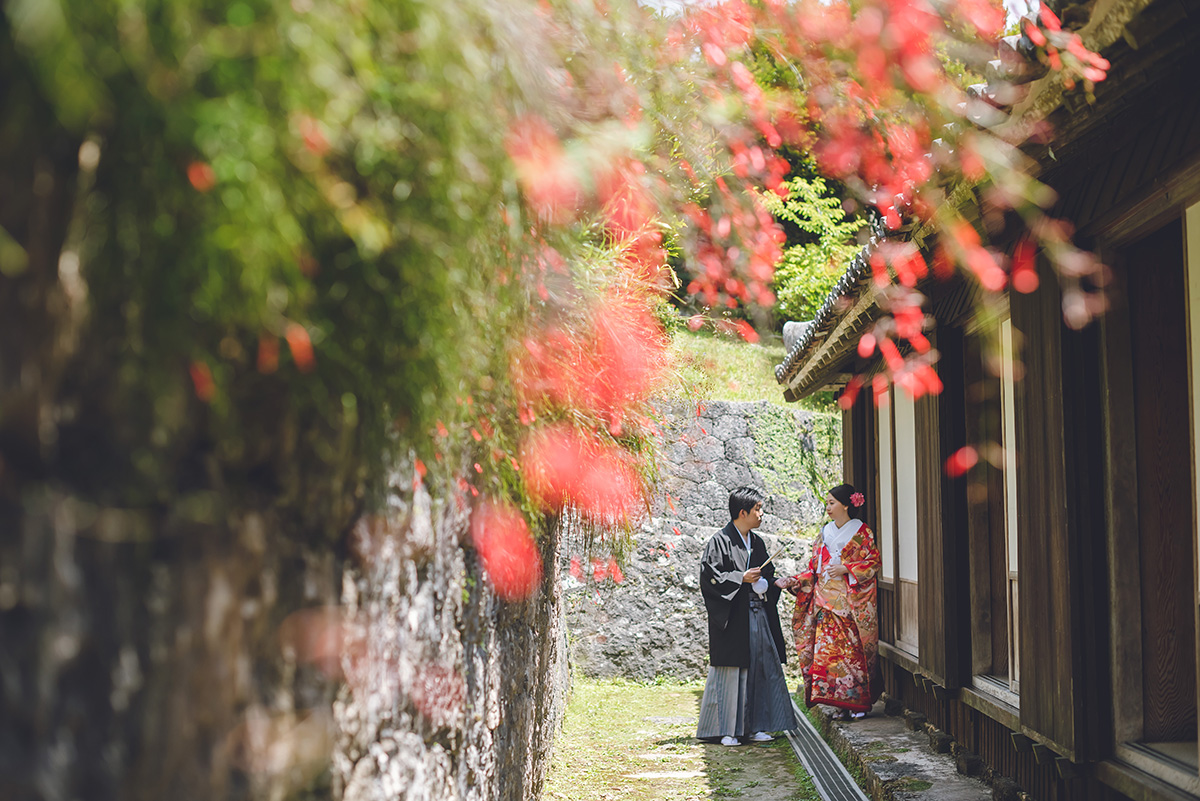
(201,652)
(653,622)
(460,695)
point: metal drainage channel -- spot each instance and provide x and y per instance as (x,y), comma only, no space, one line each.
(829,775)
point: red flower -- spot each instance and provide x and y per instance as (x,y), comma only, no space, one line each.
(202,381)
(201,176)
(961,461)
(314,137)
(850,393)
(507,552)
(300,346)
(746,331)
(562,466)
(614,570)
(545,174)
(268,354)
(866,345)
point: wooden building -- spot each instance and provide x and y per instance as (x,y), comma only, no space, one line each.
(1045,614)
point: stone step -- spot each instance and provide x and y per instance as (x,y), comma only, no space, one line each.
(900,764)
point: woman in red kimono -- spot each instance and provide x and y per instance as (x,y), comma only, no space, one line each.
(836,620)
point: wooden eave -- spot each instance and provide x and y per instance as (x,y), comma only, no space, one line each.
(816,356)
(1144,40)
(823,364)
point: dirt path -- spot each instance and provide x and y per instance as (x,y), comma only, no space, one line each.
(636,742)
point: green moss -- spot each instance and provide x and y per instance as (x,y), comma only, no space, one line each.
(796,457)
(909,784)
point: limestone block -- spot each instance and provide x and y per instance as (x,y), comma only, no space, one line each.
(740,450)
(730,426)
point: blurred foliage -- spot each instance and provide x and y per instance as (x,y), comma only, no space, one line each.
(278,246)
(257,174)
(809,270)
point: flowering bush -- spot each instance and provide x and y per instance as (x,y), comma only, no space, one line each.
(455,216)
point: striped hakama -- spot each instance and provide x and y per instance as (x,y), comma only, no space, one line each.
(739,701)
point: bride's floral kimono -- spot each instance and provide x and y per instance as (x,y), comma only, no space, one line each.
(836,620)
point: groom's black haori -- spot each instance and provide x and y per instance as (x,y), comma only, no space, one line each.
(728,601)
(745,693)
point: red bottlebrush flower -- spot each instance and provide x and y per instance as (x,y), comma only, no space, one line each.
(879,386)
(478,468)
(715,55)
(614,570)
(599,570)
(1049,18)
(561,466)
(929,379)
(872,64)
(576,569)
(546,176)
(509,556)
(202,381)
(301,347)
(961,461)
(922,72)
(1035,34)
(973,168)
(313,136)
(695,322)
(604,369)
(919,342)
(1025,281)
(879,269)
(1024,267)
(850,394)
(988,18)
(268,354)
(742,78)
(986,269)
(891,355)
(627,204)
(746,331)
(201,176)
(866,345)
(943,264)
(441,429)
(476,435)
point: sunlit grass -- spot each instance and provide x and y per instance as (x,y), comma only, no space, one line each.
(723,367)
(636,742)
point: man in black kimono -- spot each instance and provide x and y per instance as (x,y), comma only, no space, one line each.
(746,695)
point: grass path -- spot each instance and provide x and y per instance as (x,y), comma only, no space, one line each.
(636,742)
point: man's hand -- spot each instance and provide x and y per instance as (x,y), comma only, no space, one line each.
(752,575)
